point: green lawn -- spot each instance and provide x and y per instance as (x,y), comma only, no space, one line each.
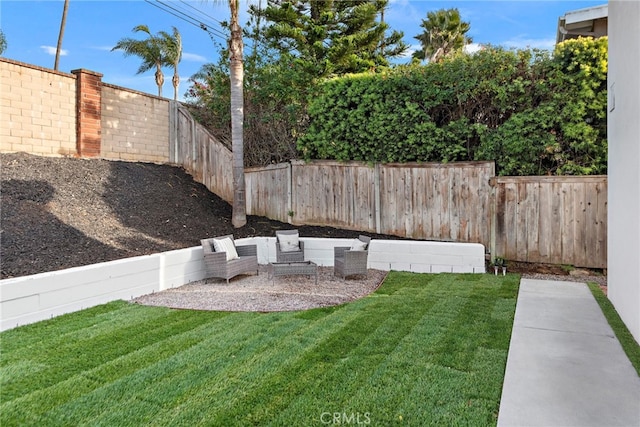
(422,350)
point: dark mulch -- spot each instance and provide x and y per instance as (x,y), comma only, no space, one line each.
(58,213)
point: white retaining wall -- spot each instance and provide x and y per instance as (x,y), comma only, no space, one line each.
(38,297)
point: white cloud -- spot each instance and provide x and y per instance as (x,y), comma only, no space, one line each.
(524,43)
(193,57)
(410,50)
(51,50)
(472,48)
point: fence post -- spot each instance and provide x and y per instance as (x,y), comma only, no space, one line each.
(173,132)
(376,196)
(289,193)
(194,141)
(493,212)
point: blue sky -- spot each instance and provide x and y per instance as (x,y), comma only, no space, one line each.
(93,27)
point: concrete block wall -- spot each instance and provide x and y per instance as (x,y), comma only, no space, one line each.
(39,297)
(427,257)
(50,113)
(30,299)
(135,126)
(37,110)
(397,255)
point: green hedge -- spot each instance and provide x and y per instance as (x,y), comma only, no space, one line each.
(533,113)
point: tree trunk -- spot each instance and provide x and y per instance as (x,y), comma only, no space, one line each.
(159,79)
(239,215)
(61,34)
(176,82)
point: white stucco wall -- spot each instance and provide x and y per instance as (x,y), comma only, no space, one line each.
(624,162)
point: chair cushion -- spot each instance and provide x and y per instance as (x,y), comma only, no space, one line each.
(226,245)
(358,245)
(289,242)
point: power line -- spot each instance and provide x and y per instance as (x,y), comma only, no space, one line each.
(188,18)
(201,12)
(206,26)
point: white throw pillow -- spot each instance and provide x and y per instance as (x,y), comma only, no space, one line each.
(358,245)
(226,245)
(289,242)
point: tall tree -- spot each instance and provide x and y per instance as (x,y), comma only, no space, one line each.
(236,77)
(149,50)
(171,47)
(63,23)
(444,34)
(236,73)
(331,37)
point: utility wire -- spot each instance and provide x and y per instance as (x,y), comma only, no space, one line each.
(181,14)
(202,23)
(201,12)
(189,19)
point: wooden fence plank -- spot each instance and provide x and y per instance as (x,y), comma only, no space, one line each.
(556,222)
(532,214)
(545,235)
(600,256)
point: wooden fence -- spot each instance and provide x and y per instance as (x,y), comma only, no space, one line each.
(556,220)
(430,201)
(200,153)
(437,201)
(551,219)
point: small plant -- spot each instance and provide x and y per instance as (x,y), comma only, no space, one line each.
(291,213)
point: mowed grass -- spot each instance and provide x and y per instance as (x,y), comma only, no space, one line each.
(422,350)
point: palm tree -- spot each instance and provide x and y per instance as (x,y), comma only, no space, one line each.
(61,34)
(444,34)
(149,50)
(239,215)
(171,46)
(236,75)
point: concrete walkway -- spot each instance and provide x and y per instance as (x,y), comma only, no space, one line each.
(565,366)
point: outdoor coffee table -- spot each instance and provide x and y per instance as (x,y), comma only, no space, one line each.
(304,268)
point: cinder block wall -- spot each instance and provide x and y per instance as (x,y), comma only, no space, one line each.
(135,126)
(37,110)
(50,113)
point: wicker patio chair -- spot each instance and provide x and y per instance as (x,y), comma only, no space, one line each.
(217,266)
(348,261)
(289,256)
